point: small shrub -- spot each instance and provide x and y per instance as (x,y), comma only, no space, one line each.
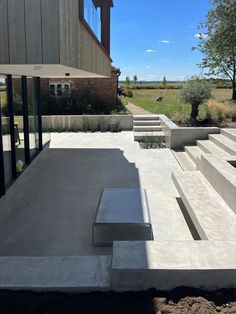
(129,93)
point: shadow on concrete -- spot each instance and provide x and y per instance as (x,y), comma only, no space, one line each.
(188,219)
(53,203)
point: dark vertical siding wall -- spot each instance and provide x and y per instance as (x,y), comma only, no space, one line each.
(4,52)
(33,29)
(16,24)
(50,31)
(30,28)
(69,32)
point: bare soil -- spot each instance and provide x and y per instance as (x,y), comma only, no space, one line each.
(178,301)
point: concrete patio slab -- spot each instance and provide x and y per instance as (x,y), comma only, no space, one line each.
(52,205)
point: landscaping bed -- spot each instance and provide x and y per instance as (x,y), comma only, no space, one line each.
(178,301)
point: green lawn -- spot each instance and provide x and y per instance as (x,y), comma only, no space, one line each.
(171,104)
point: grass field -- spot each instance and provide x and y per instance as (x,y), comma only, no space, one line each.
(172,106)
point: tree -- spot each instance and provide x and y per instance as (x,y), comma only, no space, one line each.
(195,91)
(164,82)
(135,80)
(218,43)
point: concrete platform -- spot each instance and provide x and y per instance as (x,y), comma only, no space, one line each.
(67,273)
(211,216)
(50,209)
(165,265)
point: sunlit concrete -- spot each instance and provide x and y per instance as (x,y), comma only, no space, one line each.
(52,205)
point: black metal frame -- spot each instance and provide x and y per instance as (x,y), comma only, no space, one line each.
(2,176)
(28,158)
(25,118)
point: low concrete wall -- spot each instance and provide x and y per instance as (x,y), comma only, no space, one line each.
(94,123)
(177,137)
(208,265)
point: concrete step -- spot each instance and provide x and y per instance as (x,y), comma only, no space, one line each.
(147,128)
(230,133)
(211,216)
(138,136)
(211,148)
(184,160)
(224,142)
(194,152)
(221,175)
(146,117)
(60,273)
(146,122)
(165,265)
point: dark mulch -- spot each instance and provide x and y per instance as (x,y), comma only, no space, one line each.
(26,302)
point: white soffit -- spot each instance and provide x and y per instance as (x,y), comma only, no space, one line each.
(46,70)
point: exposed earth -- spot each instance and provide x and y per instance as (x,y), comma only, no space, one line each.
(178,301)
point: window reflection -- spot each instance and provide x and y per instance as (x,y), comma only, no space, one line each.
(18,124)
(92,15)
(33,116)
(5,125)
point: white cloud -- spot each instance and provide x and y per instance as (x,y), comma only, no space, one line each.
(149,51)
(164,41)
(200,36)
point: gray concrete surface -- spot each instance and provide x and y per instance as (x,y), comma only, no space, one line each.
(221,175)
(64,273)
(212,217)
(166,265)
(52,205)
(122,215)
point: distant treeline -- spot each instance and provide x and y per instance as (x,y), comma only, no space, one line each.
(221,84)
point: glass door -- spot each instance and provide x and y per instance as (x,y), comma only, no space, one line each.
(7,171)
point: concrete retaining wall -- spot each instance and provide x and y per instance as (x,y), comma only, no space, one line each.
(164,265)
(177,137)
(88,123)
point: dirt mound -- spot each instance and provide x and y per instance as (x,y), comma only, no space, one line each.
(192,305)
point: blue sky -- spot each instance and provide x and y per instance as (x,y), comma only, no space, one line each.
(153,38)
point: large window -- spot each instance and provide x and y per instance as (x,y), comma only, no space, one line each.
(92,15)
(33,116)
(6,132)
(19,138)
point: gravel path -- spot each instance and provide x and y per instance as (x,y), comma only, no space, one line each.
(137,110)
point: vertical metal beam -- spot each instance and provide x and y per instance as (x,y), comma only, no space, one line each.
(2,176)
(25,118)
(12,128)
(40,129)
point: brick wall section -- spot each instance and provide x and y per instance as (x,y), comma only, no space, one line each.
(105,89)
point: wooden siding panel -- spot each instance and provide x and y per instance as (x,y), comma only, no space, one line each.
(69,32)
(33,31)
(92,57)
(50,31)
(16,22)
(4,43)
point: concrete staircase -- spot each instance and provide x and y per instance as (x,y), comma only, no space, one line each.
(223,144)
(145,126)
(209,194)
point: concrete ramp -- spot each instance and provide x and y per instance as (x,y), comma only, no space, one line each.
(76,273)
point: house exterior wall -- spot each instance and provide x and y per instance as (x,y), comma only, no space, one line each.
(105,89)
(43,32)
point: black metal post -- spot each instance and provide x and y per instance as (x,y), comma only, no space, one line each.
(11,120)
(40,129)
(25,118)
(2,177)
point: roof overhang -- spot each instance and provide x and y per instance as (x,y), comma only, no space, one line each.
(46,70)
